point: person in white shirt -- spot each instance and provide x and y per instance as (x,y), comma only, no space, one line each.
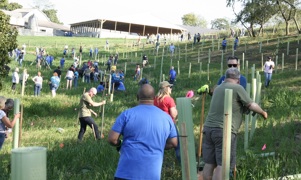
(69,77)
(38,81)
(15,79)
(268,70)
(172,49)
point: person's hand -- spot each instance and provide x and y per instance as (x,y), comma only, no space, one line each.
(203,89)
(104,102)
(18,115)
(264,114)
(95,114)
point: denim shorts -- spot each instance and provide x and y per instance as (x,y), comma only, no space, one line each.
(213,146)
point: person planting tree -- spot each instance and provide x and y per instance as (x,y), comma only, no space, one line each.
(85,113)
(213,127)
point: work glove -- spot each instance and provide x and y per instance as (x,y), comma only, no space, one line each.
(203,89)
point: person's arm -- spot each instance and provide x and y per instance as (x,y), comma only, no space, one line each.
(113,138)
(8,123)
(256,108)
(95,104)
(34,79)
(173,112)
(171,143)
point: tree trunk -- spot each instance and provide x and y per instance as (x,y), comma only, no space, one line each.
(297,26)
(286,28)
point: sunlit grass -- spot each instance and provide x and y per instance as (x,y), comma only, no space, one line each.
(98,160)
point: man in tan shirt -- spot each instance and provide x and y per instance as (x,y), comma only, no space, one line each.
(85,113)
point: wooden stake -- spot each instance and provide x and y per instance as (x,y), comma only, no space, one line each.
(201,129)
(20,126)
(93,131)
(102,119)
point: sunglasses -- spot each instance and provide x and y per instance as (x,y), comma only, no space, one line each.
(232,65)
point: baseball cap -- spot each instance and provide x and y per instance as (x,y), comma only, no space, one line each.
(94,90)
(164,84)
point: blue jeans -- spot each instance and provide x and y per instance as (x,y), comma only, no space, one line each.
(75,81)
(20,62)
(268,78)
(87,78)
(84,121)
(2,139)
(37,89)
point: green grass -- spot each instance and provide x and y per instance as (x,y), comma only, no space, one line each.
(98,160)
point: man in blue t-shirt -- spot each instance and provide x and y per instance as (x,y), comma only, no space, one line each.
(62,63)
(146,131)
(233,62)
(172,75)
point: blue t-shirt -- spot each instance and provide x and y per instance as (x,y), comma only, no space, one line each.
(100,88)
(48,59)
(76,74)
(55,81)
(242,81)
(115,78)
(172,74)
(62,61)
(121,87)
(145,129)
(236,41)
(224,43)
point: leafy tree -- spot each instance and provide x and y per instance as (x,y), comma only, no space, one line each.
(51,14)
(253,13)
(13,6)
(48,8)
(8,36)
(220,24)
(43,4)
(288,10)
(9,6)
(192,19)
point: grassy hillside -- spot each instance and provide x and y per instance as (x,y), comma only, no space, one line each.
(98,160)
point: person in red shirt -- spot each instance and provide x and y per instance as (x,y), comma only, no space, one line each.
(164,101)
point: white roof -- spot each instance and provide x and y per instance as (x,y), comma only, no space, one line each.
(146,19)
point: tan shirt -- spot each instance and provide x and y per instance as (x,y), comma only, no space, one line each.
(85,102)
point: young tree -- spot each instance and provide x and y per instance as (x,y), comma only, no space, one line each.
(8,36)
(192,19)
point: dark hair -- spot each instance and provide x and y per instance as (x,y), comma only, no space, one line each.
(9,104)
(232,57)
